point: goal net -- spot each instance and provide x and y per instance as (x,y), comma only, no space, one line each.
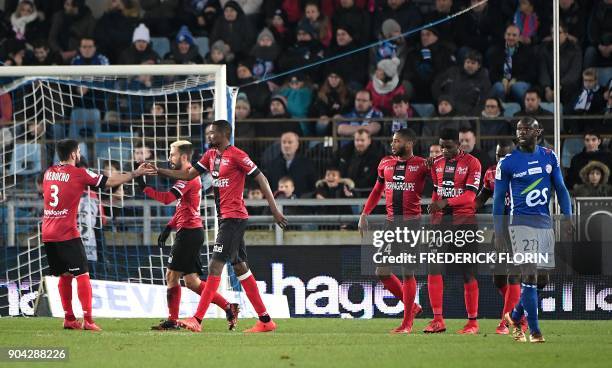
(120,115)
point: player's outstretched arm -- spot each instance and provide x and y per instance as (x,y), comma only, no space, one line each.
(163,197)
(262,181)
(123,178)
(178,174)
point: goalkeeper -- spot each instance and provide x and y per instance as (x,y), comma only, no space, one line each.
(184,257)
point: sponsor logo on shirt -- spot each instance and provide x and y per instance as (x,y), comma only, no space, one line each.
(532,162)
(399,177)
(248,162)
(449,192)
(548,169)
(217,248)
(403,186)
(534,170)
(519,175)
(413,168)
(220,183)
(54,213)
(462,170)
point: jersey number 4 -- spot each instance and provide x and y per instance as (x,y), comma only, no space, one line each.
(54,192)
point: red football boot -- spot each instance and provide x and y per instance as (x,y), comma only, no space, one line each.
(262,327)
(502,329)
(91,326)
(435,326)
(191,324)
(75,324)
(470,328)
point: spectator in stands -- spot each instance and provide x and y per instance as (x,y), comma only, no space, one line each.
(199,15)
(468,85)
(332,99)
(252,8)
(266,51)
(599,51)
(307,49)
(606,126)
(142,152)
(184,50)
(298,93)
(385,84)
(115,27)
(590,99)
(286,189)
(492,123)
(318,21)
(467,142)
(435,150)
(159,16)
(28,23)
(219,54)
(573,15)
(334,186)
(403,12)
(140,51)
(280,28)
(290,163)
(356,63)
(88,54)
(527,21)
(592,152)
(258,93)
(359,161)
(254,193)
(282,120)
(424,63)
(244,130)
(511,66)
(402,112)
(234,29)
(16,52)
(347,12)
(363,109)
(112,196)
(533,108)
(69,26)
(483,27)
(43,55)
(445,114)
(448,31)
(594,177)
(570,63)
(396,48)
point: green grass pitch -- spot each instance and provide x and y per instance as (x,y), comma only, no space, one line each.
(314,342)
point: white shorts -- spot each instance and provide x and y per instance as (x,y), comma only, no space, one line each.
(533,245)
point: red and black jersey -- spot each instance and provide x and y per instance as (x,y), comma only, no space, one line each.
(188,195)
(63,186)
(453,179)
(402,181)
(488,184)
(229,170)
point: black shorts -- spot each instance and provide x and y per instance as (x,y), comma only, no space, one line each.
(67,257)
(185,252)
(229,246)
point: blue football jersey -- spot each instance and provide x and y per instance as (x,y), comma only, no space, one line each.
(530,178)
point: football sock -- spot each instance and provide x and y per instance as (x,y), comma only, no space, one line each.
(173,297)
(408,295)
(470,294)
(518,311)
(250,288)
(503,290)
(529,299)
(435,288)
(393,284)
(212,284)
(84,292)
(65,291)
(218,299)
(513,295)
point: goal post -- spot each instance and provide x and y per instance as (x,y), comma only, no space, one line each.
(47,99)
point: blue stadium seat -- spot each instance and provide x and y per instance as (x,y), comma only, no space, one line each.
(161,45)
(26,159)
(571,146)
(511,108)
(84,123)
(604,75)
(424,110)
(202,43)
(108,146)
(549,106)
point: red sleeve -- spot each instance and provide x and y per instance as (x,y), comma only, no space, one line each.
(245,164)
(204,164)
(466,198)
(90,178)
(473,176)
(163,197)
(488,181)
(172,223)
(374,197)
(6,108)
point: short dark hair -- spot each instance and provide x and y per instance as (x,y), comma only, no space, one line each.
(474,55)
(407,134)
(505,143)
(286,179)
(535,90)
(466,129)
(112,163)
(363,131)
(449,134)
(224,126)
(65,147)
(398,99)
(592,132)
(366,91)
(332,168)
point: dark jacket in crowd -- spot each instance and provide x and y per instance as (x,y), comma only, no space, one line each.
(240,34)
(481,30)
(361,167)
(575,19)
(523,68)
(133,56)
(354,15)
(422,71)
(113,34)
(580,160)
(467,91)
(570,72)
(407,15)
(258,95)
(586,189)
(67,30)
(324,190)
(600,27)
(354,65)
(191,57)
(301,170)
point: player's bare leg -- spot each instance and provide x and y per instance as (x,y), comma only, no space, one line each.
(65,291)
(173,298)
(193,283)
(247,280)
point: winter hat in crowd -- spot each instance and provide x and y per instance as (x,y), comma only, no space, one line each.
(141,33)
(389,66)
(224,49)
(265,33)
(348,29)
(390,26)
(242,98)
(446,98)
(282,99)
(308,28)
(184,35)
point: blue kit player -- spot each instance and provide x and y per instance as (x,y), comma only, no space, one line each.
(529,173)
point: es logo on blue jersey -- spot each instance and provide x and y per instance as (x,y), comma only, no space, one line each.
(535,197)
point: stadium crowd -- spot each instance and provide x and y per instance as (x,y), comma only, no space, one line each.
(498,55)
